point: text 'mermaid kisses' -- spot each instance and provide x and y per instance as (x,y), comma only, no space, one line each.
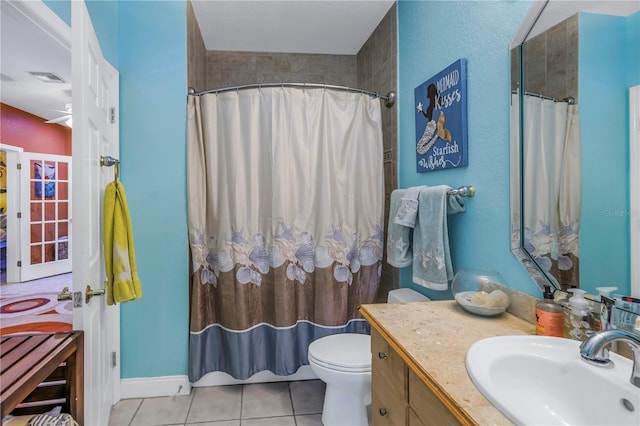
(436,159)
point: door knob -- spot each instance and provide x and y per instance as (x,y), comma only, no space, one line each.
(89,293)
(65,294)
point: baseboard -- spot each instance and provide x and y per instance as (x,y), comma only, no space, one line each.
(148,387)
(219,379)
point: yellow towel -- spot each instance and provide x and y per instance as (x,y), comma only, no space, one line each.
(123,283)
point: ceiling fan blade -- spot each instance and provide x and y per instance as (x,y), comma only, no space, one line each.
(59,119)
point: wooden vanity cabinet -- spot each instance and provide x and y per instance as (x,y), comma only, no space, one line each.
(389,384)
(399,397)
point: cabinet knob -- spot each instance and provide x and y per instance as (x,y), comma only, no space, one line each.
(382,411)
(382,355)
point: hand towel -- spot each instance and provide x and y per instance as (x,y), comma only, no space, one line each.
(400,227)
(123,283)
(431,257)
(408,209)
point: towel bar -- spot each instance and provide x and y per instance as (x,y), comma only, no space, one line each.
(463,191)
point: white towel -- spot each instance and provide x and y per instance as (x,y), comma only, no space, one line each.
(401,221)
(431,258)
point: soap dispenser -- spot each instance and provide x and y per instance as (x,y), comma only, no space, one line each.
(549,316)
(577,318)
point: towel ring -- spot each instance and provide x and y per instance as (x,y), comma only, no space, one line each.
(108,161)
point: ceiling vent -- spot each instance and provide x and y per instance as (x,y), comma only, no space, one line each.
(47,77)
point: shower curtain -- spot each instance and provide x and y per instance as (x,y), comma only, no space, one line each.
(552,186)
(286,196)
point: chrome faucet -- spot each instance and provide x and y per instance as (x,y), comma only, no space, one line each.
(592,350)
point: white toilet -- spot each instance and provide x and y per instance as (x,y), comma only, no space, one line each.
(343,362)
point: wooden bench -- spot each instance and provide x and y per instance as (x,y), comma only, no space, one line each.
(40,371)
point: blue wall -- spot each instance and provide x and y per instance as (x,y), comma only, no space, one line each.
(146,42)
(633,49)
(153,87)
(604,63)
(432,35)
(62,8)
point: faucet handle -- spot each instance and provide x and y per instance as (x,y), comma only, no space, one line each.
(603,353)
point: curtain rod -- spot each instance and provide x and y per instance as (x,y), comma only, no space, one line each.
(569,99)
(390,98)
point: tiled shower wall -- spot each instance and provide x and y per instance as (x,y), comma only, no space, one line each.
(551,61)
(196,52)
(377,71)
(226,68)
(373,68)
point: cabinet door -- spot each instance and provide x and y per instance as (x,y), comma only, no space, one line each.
(428,408)
(414,420)
(389,385)
(388,408)
(387,364)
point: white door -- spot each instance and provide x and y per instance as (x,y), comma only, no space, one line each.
(45,206)
(95,134)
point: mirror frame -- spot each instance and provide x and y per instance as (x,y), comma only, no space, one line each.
(517,237)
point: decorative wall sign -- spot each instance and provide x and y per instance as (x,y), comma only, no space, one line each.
(441,120)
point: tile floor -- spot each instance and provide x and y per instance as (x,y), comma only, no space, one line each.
(259,404)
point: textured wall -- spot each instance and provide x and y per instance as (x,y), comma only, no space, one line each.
(226,68)
(551,61)
(196,52)
(153,87)
(433,35)
(378,72)
(604,130)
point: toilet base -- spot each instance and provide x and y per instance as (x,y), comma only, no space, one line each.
(343,408)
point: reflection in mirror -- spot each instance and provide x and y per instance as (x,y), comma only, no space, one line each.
(571,73)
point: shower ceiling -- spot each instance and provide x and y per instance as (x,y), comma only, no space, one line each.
(294,26)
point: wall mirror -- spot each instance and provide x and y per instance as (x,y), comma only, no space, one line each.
(572,65)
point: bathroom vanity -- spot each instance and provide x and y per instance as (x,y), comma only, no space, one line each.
(418,363)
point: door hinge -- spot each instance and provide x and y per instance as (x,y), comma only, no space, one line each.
(19,215)
(19,264)
(113,359)
(19,166)
(113,115)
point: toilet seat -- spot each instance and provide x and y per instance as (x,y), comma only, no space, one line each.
(347,352)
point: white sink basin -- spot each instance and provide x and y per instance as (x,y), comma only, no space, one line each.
(536,380)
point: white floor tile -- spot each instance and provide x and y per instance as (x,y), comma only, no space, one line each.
(260,404)
(266,400)
(309,420)
(307,396)
(215,403)
(270,421)
(123,412)
(163,411)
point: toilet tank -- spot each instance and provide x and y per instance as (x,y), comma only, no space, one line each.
(405,295)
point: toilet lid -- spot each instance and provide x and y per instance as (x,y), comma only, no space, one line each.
(343,352)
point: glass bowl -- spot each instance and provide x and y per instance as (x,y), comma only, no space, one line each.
(480,292)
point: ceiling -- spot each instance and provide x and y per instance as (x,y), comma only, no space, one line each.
(300,26)
(25,47)
(294,26)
